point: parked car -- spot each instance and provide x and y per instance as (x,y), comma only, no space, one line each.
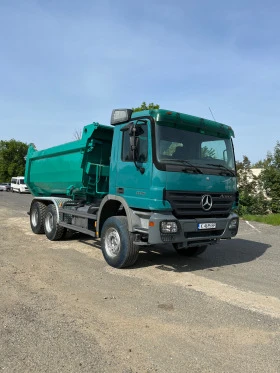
(18,185)
(6,187)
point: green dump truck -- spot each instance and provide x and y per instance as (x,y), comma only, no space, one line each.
(152,177)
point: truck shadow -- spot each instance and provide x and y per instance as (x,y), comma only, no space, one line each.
(227,253)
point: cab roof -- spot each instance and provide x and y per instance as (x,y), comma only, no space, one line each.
(181,120)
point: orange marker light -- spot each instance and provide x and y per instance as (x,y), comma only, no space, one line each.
(151,224)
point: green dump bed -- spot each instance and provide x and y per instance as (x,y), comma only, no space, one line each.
(78,169)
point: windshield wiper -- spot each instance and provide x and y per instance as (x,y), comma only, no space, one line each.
(232,173)
(188,163)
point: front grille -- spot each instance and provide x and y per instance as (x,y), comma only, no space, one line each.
(188,204)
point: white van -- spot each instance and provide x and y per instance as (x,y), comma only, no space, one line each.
(18,185)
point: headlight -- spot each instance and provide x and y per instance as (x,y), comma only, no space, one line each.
(168,227)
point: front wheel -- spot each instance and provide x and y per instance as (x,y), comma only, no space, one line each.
(190,251)
(117,245)
(52,230)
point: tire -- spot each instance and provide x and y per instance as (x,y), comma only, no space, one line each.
(52,230)
(12,189)
(37,217)
(117,243)
(190,251)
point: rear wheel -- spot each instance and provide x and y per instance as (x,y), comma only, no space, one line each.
(117,245)
(190,251)
(37,217)
(52,230)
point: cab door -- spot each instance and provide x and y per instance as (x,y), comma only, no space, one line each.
(133,179)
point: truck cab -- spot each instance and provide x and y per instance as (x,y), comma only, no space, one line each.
(180,171)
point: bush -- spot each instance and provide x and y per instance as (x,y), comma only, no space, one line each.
(250,204)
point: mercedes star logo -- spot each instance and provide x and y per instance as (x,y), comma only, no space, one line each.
(206,202)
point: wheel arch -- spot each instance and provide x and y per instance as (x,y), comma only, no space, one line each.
(45,202)
(112,205)
(51,200)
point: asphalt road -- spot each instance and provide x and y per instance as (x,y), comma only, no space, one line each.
(63,309)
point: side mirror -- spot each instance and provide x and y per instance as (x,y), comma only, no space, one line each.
(139,130)
(134,133)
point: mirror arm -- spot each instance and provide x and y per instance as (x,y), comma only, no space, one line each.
(141,169)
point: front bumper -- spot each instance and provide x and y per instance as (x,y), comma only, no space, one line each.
(188,233)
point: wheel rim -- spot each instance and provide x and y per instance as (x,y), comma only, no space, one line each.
(34,217)
(112,242)
(49,222)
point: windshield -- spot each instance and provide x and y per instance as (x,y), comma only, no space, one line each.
(194,151)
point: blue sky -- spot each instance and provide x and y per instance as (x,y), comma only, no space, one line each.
(65,64)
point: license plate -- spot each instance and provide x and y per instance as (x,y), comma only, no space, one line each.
(206,226)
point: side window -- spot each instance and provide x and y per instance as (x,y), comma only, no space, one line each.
(142,156)
(142,146)
(126,151)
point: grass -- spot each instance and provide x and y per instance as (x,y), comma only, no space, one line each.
(273,219)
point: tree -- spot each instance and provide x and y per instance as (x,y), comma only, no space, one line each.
(246,179)
(78,134)
(270,177)
(251,195)
(208,152)
(260,164)
(12,159)
(144,106)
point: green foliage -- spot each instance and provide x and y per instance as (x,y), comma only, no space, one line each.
(144,106)
(270,177)
(247,182)
(251,196)
(208,152)
(12,159)
(260,195)
(273,219)
(255,204)
(260,164)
